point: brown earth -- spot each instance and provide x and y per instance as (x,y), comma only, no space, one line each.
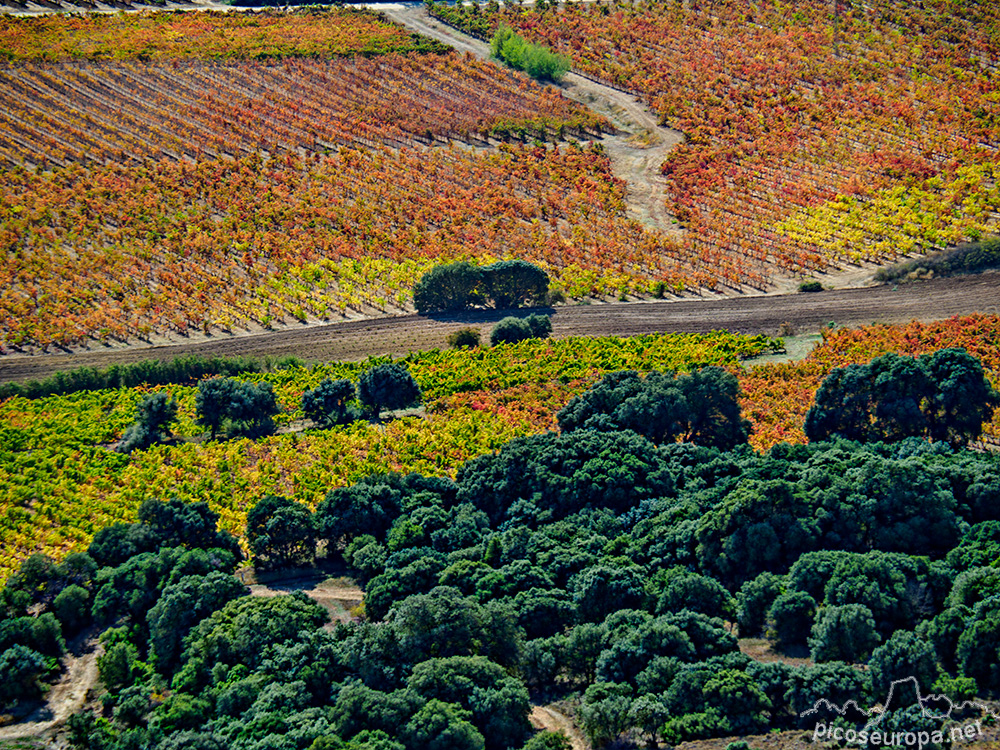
(355,340)
(66,697)
(549,718)
(338,596)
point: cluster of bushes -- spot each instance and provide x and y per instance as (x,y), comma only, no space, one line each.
(970,258)
(180,370)
(242,409)
(537,61)
(173,551)
(942,396)
(508,330)
(461,285)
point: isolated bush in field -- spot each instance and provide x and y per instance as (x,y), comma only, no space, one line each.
(539,325)
(388,386)
(510,330)
(810,286)
(464,338)
(453,286)
(252,409)
(212,401)
(328,404)
(249,408)
(537,61)
(152,424)
(511,283)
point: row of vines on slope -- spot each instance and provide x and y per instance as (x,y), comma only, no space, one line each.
(808,142)
(116,252)
(131,111)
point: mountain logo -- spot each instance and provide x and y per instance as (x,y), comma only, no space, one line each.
(932,706)
(902,693)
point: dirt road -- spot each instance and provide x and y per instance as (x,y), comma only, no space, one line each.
(807,313)
(636,152)
(550,719)
(65,698)
(338,596)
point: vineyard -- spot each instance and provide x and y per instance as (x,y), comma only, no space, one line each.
(239,170)
(208,35)
(810,140)
(114,252)
(61,482)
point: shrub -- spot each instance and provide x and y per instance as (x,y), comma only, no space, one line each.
(388,386)
(845,633)
(152,423)
(791,617)
(810,286)
(539,325)
(510,330)
(464,338)
(249,408)
(537,61)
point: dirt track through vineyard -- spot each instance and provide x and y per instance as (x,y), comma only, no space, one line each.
(354,340)
(636,152)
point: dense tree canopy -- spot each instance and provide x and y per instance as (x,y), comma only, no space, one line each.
(701,407)
(942,396)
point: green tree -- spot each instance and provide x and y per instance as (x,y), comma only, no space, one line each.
(791,617)
(181,606)
(510,330)
(442,726)
(904,655)
(754,599)
(845,633)
(464,338)
(72,608)
(943,396)
(511,283)
(328,404)
(453,286)
(251,410)
(683,589)
(21,670)
(280,533)
(153,418)
(212,402)
(604,712)
(388,386)
(963,399)
(701,407)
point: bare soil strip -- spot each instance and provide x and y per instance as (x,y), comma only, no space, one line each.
(355,340)
(549,719)
(66,697)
